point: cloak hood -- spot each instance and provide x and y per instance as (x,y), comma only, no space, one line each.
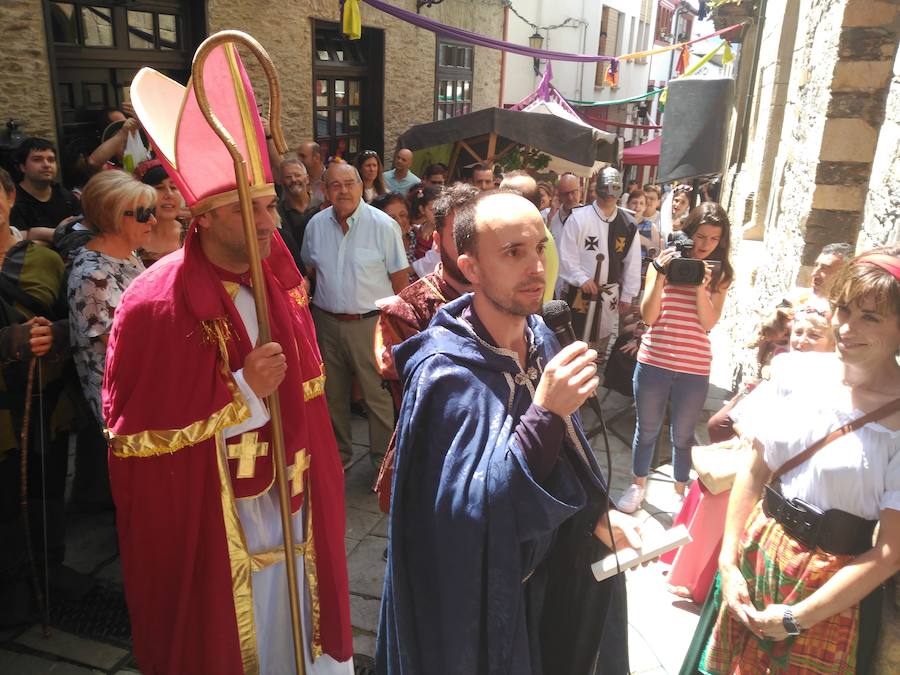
(451,335)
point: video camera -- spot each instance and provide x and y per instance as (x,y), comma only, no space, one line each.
(684,271)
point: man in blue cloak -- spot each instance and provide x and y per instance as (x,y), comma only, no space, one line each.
(499,506)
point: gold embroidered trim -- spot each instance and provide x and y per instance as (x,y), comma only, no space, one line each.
(166,441)
(312,579)
(434,289)
(300,296)
(241,566)
(230,197)
(154,442)
(314,387)
(263,559)
(254,156)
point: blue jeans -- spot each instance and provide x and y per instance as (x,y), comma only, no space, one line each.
(653,387)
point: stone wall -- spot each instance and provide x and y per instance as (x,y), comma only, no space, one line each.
(25,91)
(881,223)
(806,177)
(409,57)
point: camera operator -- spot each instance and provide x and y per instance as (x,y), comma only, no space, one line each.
(683,299)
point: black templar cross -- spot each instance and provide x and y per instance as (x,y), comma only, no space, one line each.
(591,243)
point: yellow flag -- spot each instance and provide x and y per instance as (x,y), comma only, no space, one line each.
(728,56)
(352,20)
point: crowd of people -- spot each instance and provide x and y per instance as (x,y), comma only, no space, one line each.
(418,298)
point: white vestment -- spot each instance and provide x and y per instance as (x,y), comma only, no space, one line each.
(261,523)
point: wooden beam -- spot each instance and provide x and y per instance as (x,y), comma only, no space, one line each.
(469,149)
(492,147)
(505,151)
(454,158)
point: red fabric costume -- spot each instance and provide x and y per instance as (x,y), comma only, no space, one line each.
(169,394)
(402,316)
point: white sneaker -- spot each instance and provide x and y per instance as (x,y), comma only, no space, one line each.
(631,499)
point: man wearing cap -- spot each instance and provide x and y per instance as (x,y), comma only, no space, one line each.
(191,458)
(600,228)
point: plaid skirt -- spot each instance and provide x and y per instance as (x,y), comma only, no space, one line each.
(780,570)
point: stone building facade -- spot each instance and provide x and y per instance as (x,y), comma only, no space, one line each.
(813,159)
(406,61)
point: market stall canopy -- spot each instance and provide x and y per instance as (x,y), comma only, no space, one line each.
(645,154)
(486,135)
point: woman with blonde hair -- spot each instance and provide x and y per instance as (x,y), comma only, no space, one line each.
(121,212)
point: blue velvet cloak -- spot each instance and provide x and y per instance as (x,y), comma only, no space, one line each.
(476,544)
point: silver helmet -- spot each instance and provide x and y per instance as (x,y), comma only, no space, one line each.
(609,183)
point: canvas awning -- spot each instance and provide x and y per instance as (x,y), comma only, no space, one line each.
(645,154)
(486,135)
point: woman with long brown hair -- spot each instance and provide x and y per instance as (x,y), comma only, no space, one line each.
(368,163)
(675,354)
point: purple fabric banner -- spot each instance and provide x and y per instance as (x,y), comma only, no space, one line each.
(481,40)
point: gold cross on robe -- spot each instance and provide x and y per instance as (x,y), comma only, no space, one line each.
(246,453)
(296,471)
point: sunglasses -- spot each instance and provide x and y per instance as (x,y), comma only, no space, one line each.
(142,213)
(368,153)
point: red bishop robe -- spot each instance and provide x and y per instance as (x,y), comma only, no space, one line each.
(168,395)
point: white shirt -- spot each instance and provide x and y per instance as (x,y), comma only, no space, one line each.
(584,236)
(802,403)
(352,270)
(557,224)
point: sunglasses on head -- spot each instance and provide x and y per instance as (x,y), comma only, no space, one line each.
(142,213)
(368,153)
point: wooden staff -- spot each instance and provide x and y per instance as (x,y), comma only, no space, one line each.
(23,500)
(592,303)
(259,285)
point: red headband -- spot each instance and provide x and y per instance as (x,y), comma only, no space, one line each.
(888,263)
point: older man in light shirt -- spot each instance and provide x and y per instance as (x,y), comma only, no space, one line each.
(357,256)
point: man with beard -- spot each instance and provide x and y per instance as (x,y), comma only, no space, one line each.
(294,207)
(499,506)
(411,310)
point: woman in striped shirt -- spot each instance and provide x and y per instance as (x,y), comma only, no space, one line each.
(675,355)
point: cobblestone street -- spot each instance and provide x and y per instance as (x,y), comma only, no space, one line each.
(661,624)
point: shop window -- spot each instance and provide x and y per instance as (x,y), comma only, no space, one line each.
(454,74)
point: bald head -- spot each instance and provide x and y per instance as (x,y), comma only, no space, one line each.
(522,184)
(568,191)
(344,188)
(311,155)
(492,211)
(501,241)
(402,161)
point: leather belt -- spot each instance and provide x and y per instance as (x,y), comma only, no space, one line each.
(350,317)
(834,531)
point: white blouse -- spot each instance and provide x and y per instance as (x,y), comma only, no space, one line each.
(803,402)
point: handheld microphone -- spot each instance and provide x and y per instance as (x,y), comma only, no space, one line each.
(558,318)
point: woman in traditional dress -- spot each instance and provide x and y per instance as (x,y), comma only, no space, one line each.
(800,578)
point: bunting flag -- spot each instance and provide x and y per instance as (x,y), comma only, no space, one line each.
(594,104)
(612,74)
(351,19)
(470,37)
(684,60)
(726,58)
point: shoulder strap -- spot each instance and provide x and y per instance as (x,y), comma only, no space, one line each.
(874,416)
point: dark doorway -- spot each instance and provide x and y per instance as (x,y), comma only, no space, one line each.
(96,48)
(348,86)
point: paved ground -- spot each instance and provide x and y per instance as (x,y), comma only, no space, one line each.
(661,625)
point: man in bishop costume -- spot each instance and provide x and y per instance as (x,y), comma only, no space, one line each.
(191,461)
